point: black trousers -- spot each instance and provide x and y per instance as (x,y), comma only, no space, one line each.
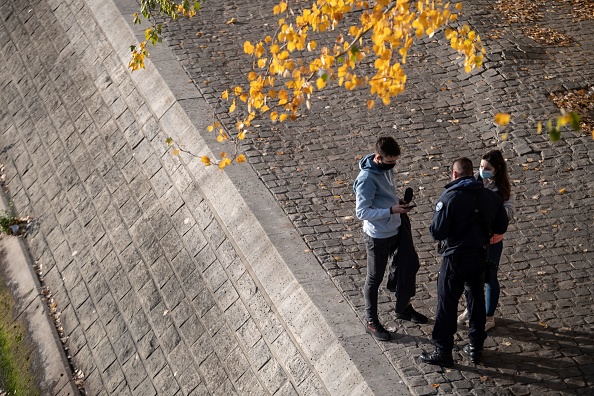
(380,253)
(456,271)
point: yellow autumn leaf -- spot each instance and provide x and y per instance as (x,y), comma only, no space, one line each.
(241,135)
(274,49)
(175,152)
(320,83)
(539,128)
(279,8)
(543,324)
(283,117)
(224,162)
(370,104)
(260,50)
(563,191)
(459,6)
(210,128)
(225,94)
(205,160)
(240,158)
(220,138)
(232,107)
(502,119)
(563,120)
(248,48)
(222,154)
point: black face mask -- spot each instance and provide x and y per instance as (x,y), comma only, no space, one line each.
(385,167)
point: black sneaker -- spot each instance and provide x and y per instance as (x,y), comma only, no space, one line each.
(411,315)
(438,358)
(377,331)
(474,352)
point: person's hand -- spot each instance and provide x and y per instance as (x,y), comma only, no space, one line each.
(401,208)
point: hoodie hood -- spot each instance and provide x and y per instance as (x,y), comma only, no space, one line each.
(366,163)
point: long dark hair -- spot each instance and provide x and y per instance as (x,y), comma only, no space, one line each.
(501,178)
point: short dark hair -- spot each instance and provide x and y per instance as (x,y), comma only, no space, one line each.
(463,166)
(386,146)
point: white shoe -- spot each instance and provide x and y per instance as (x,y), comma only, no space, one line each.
(490,323)
(463,316)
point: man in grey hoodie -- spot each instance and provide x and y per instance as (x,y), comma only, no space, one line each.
(379,206)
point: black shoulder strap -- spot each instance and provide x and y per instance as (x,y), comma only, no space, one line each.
(478,217)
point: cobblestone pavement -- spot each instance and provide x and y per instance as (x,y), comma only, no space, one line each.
(142,265)
(542,343)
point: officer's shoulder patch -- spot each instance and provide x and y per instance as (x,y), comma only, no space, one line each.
(438,206)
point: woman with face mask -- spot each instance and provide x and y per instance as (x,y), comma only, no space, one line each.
(493,173)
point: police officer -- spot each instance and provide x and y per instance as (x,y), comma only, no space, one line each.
(465,216)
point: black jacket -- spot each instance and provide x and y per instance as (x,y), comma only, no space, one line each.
(404,267)
(466,215)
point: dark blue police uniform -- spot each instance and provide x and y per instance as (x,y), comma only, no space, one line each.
(464,216)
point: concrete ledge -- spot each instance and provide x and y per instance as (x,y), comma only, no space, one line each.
(328,334)
(50,365)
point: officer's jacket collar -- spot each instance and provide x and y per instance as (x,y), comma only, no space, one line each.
(466,182)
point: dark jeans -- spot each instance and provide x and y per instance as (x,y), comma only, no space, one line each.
(492,288)
(456,271)
(379,252)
